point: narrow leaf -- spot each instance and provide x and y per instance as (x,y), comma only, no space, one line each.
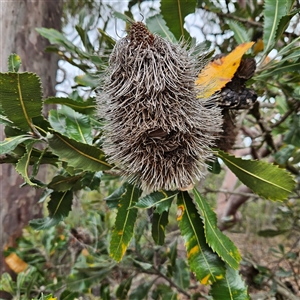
(124,223)
(63,183)
(232,287)
(21,98)
(55,37)
(14,63)
(77,155)
(264,179)
(159,223)
(23,164)
(274,10)
(271,232)
(109,41)
(206,264)
(217,240)
(241,35)
(156,24)
(290,47)
(84,107)
(59,207)
(122,17)
(72,124)
(161,199)
(9,144)
(84,37)
(174,13)
(279,69)
(88,80)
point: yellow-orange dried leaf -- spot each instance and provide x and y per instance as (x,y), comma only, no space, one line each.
(85,252)
(258,47)
(220,71)
(15,263)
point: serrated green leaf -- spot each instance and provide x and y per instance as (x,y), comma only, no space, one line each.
(161,199)
(23,164)
(21,98)
(206,264)
(9,144)
(14,63)
(240,33)
(273,11)
(71,124)
(59,206)
(84,107)
(181,274)
(174,13)
(78,155)
(217,240)
(159,223)
(264,179)
(156,24)
(284,22)
(123,288)
(232,287)
(125,220)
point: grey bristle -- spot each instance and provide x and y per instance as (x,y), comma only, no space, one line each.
(158,132)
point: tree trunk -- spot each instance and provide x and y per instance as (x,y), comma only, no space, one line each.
(18,35)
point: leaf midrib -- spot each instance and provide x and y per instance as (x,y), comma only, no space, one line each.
(254,176)
(196,235)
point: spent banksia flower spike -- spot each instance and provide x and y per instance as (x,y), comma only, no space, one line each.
(157,131)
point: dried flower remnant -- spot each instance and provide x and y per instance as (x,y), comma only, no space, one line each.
(157,131)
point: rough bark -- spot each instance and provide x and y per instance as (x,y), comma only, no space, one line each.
(18,35)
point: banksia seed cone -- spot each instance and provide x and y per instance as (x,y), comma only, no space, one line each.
(157,131)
